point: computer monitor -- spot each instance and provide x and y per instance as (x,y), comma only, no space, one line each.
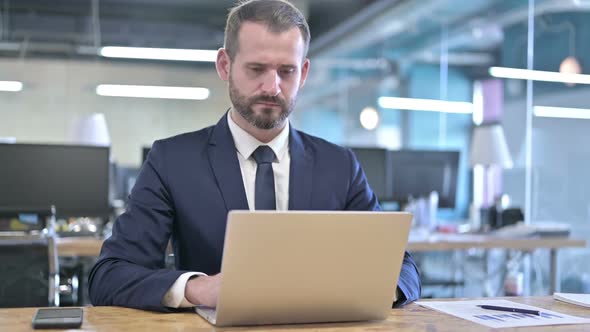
(376,164)
(395,176)
(124,180)
(417,173)
(75,179)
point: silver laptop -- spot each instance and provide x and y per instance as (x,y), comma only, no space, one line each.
(306,267)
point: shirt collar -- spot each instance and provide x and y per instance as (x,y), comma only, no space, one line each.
(246,144)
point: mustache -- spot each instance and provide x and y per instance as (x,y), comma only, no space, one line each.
(267,99)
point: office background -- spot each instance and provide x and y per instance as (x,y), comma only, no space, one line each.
(361,51)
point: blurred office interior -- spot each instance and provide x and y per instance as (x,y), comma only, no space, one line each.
(473,115)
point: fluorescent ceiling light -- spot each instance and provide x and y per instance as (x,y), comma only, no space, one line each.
(145,91)
(430,105)
(11,86)
(538,75)
(561,112)
(8,46)
(159,53)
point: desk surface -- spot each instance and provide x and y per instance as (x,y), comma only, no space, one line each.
(442,242)
(410,318)
(80,246)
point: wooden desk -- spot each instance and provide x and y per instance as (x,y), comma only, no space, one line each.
(446,242)
(80,246)
(411,318)
(443,242)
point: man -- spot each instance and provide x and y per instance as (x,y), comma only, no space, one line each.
(252,159)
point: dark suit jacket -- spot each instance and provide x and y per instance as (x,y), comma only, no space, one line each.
(185,190)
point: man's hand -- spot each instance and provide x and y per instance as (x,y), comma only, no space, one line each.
(203,290)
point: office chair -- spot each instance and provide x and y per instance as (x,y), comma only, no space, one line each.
(29,272)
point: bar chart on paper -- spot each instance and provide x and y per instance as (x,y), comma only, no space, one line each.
(469,310)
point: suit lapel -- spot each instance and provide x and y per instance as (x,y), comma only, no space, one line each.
(301,173)
(226,167)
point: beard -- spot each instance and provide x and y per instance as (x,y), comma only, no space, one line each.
(268,118)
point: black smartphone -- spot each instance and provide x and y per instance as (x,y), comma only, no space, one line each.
(57,318)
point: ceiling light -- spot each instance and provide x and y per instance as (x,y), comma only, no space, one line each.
(10,46)
(11,86)
(561,112)
(430,105)
(369,118)
(570,65)
(145,91)
(538,75)
(159,53)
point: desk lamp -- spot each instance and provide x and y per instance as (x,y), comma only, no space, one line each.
(489,154)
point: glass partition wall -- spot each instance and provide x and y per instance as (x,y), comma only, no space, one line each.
(519,67)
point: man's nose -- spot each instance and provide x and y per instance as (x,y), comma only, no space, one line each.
(272,83)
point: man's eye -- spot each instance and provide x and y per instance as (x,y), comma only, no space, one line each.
(287,72)
(257,70)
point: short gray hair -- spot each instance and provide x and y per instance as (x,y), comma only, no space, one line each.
(278,15)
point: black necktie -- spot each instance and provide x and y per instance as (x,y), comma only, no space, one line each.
(265,179)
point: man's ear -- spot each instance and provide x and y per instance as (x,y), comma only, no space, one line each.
(304,71)
(222,64)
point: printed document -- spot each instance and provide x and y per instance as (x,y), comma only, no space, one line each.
(577,299)
(469,310)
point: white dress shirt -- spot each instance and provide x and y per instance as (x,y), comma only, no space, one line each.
(245,144)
